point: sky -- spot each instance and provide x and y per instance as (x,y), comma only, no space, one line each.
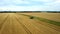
(29,5)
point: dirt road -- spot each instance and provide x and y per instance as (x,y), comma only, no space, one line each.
(12,23)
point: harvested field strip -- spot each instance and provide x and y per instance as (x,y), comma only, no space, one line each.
(44,20)
(12,26)
(23,26)
(28,24)
(1,24)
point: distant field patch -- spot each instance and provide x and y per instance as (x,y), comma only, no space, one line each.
(44,19)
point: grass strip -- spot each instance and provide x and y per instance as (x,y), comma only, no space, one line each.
(44,20)
(48,21)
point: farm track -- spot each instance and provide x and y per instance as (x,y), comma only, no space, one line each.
(12,23)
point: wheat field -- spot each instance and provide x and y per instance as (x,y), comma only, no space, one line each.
(51,16)
(15,23)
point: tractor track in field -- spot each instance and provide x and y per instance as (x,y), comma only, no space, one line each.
(28,32)
(2,23)
(31,31)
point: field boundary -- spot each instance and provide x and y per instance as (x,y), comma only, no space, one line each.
(43,19)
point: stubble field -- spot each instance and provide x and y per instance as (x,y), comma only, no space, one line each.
(21,23)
